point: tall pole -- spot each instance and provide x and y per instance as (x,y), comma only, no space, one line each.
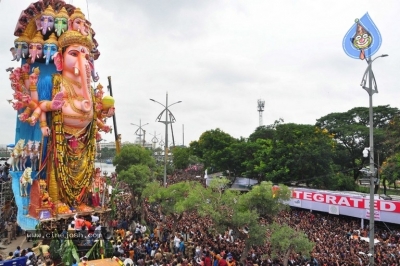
(371,89)
(140,131)
(116,136)
(260,109)
(166,140)
(169,119)
(372,171)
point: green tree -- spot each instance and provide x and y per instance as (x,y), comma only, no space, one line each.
(170,200)
(286,240)
(137,177)
(230,209)
(265,199)
(302,154)
(107,153)
(136,167)
(255,158)
(265,132)
(390,171)
(181,157)
(351,132)
(133,155)
(212,149)
(226,208)
(390,161)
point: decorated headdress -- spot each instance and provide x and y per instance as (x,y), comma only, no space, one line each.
(49,12)
(62,14)
(38,38)
(23,38)
(74,37)
(77,14)
(52,39)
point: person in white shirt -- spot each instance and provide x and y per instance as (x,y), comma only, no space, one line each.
(143,229)
(97,231)
(177,242)
(95,219)
(128,261)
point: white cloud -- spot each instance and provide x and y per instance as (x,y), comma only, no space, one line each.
(219,57)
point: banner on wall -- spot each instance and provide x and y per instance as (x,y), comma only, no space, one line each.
(345,200)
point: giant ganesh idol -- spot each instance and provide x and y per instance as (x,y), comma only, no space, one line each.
(60,114)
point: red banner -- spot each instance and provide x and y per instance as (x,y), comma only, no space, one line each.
(348,201)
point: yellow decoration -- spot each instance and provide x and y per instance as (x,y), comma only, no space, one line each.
(38,38)
(74,37)
(23,38)
(62,14)
(49,12)
(72,174)
(52,39)
(77,14)
(62,209)
(107,102)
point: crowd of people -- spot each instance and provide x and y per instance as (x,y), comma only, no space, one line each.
(339,240)
(37,255)
(158,240)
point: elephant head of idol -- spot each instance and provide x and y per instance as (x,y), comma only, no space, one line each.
(61,22)
(36,47)
(21,46)
(74,62)
(45,23)
(77,22)
(50,48)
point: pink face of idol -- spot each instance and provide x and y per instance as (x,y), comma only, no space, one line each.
(80,25)
(76,59)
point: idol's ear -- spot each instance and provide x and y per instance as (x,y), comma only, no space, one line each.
(58,61)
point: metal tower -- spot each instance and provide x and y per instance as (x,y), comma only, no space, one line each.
(140,132)
(260,109)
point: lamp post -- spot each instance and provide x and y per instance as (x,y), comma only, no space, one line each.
(139,131)
(167,121)
(371,89)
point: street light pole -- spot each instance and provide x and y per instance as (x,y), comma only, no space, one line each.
(371,89)
(139,131)
(168,114)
